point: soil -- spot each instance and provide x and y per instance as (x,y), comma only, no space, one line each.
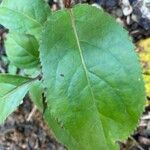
(21,133)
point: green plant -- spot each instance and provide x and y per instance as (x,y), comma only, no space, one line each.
(83,62)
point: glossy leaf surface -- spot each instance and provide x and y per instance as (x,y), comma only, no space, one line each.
(93,78)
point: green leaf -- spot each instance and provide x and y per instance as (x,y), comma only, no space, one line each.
(24,16)
(12,91)
(35,93)
(22,50)
(92,76)
(24,19)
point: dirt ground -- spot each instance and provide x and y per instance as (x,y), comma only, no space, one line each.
(25,130)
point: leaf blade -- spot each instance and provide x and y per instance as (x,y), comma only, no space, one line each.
(78,66)
(22,50)
(13,89)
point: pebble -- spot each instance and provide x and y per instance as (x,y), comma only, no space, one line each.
(146,133)
(127,10)
(134,17)
(111,3)
(126,7)
(132,1)
(108,4)
(128,20)
(144,140)
(145,23)
(141,12)
(117,13)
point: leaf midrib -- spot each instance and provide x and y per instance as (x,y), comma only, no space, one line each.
(84,65)
(17,87)
(33,56)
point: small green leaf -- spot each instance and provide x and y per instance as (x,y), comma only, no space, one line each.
(24,19)
(92,76)
(12,91)
(22,50)
(24,16)
(35,93)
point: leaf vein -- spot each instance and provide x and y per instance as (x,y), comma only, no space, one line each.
(84,66)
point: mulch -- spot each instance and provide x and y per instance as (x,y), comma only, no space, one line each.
(19,133)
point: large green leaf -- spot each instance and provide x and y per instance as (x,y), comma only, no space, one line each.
(92,76)
(22,50)
(12,91)
(24,16)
